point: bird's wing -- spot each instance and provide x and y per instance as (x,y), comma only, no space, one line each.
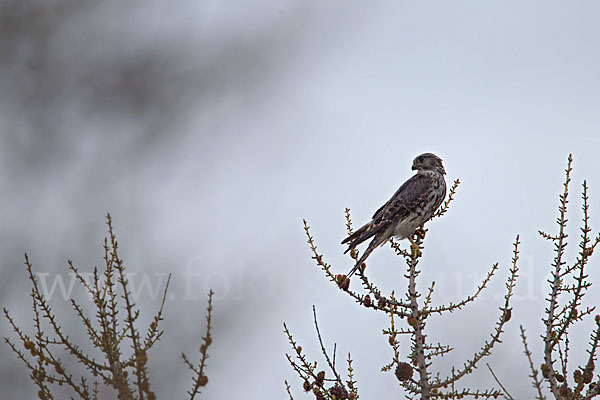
(404,200)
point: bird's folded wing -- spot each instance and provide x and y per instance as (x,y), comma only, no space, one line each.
(410,194)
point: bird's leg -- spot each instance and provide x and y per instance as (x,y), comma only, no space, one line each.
(421,232)
(416,252)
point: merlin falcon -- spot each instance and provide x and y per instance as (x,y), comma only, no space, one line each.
(409,208)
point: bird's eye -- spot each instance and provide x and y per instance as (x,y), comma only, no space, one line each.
(420,159)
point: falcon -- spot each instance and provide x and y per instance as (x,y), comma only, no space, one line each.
(409,208)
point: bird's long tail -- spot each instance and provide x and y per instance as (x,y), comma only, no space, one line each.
(372,246)
(362,234)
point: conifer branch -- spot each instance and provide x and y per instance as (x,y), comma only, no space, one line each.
(108,332)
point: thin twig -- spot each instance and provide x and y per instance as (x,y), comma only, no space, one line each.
(331,365)
(506,394)
(534,372)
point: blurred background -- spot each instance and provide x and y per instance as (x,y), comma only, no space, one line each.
(209,130)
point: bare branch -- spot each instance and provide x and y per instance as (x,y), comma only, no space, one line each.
(537,384)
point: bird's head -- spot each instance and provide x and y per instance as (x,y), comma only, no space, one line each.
(428,162)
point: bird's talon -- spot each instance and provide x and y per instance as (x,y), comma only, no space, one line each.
(421,233)
(415,251)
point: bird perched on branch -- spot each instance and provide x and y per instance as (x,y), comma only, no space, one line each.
(409,208)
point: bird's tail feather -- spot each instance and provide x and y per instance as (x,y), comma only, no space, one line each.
(362,234)
(353,270)
(372,246)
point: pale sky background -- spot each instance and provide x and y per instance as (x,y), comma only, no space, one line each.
(210,129)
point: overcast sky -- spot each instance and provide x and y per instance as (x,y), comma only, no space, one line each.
(209,130)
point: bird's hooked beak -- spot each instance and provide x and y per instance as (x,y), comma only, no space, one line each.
(414,167)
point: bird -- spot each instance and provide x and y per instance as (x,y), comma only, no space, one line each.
(413,204)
